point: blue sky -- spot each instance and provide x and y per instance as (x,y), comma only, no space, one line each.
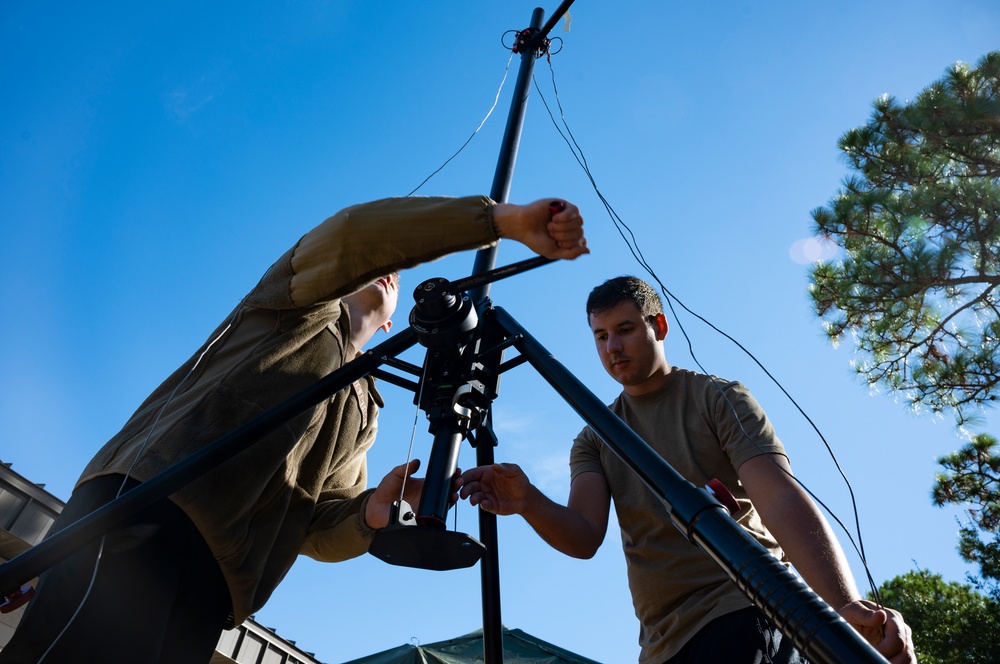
(155,159)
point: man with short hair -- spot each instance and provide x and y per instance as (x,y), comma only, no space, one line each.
(162,586)
(705,428)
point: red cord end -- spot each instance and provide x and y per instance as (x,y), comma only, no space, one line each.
(722,494)
(17,599)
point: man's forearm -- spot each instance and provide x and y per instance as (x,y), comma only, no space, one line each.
(800,529)
(562,528)
(811,547)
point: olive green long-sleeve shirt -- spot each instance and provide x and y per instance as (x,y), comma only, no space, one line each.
(301,488)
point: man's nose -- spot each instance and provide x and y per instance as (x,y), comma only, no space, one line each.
(613,344)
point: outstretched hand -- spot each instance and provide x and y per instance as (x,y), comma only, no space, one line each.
(388,491)
(883,628)
(553,233)
(501,488)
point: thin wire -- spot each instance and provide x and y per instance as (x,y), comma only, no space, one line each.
(496,99)
(413,431)
(469,140)
(633,247)
(79,607)
(135,460)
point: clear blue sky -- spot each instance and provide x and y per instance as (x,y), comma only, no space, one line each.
(155,159)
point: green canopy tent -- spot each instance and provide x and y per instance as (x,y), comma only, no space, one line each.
(519,647)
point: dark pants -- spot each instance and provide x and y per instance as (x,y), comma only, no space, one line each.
(741,637)
(157,596)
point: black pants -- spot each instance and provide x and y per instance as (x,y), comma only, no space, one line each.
(741,637)
(157,596)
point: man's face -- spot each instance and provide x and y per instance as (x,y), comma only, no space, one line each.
(384,296)
(629,346)
(373,306)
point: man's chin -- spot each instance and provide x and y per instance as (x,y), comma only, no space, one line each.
(624,378)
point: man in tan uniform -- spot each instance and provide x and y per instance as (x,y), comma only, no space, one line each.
(162,587)
(705,428)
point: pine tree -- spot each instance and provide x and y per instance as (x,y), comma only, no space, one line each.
(972,479)
(919,225)
(951,622)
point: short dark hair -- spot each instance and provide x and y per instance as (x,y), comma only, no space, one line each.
(613,291)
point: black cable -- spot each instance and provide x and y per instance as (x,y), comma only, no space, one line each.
(633,247)
(632,243)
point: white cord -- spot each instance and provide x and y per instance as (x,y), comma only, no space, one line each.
(413,432)
(152,428)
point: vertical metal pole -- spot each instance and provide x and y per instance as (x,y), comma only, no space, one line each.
(485,261)
(486,258)
(489,566)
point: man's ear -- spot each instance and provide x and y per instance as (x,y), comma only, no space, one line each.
(660,326)
(387,326)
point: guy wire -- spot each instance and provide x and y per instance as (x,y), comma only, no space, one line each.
(469,140)
(413,432)
(633,247)
(135,459)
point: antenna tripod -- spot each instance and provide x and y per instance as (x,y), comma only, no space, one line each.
(466,337)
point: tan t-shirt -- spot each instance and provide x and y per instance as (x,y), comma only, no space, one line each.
(705,428)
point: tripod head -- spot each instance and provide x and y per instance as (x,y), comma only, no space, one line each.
(459,381)
(442,318)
